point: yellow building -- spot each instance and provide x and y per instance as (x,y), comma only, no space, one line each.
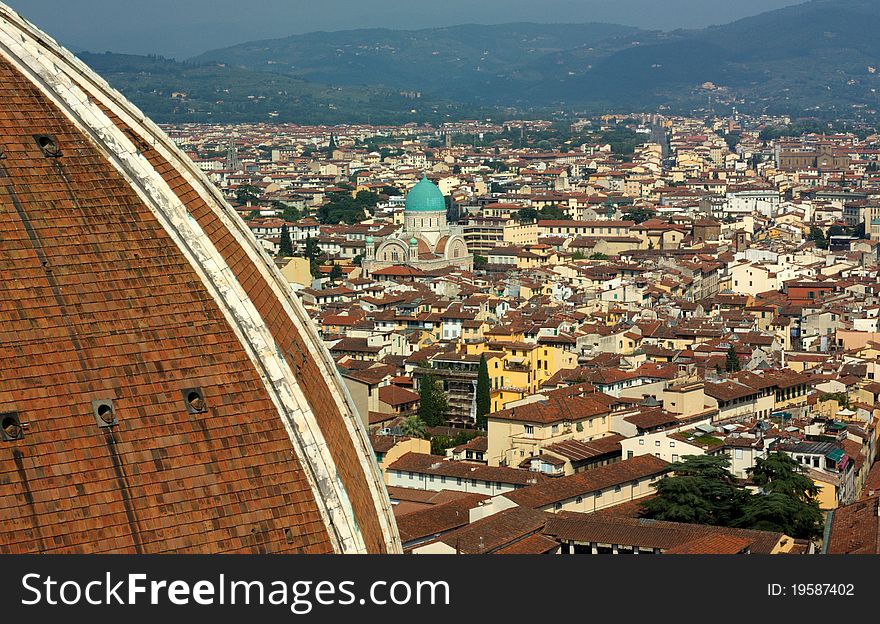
(298,271)
(518,369)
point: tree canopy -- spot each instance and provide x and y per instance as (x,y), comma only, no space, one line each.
(528,214)
(732,363)
(818,237)
(414,427)
(639,215)
(313,253)
(701,490)
(433,404)
(343,208)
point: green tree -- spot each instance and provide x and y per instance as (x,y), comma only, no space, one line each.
(336,273)
(414,427)
(440,443)
(787,501)
(835,230)
(701,491)
(778,512)
(732,139)
(291,214)
(285,246)
(732,364)
(483,398)
(247,193)
(781,474)
(480,262)
(818,237)
(578,255)
(841,397)
(598,256)
(433,403)
(639,215)
(553,212)
(526,215)
(343,208)
(313,253)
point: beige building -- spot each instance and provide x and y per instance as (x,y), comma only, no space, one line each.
(524,431)
(593,490)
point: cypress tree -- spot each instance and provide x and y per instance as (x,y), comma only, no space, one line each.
(484,384)
(432,402)
(732,363)
(285,247)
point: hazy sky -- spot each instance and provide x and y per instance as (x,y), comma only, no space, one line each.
(184,28)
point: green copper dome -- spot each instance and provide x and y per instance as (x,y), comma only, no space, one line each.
(425,197)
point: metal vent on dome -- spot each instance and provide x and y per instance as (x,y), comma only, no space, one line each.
(48,145)
(105,413)
(11,427)
(194,399)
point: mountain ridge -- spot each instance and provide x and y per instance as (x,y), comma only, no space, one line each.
(819,57)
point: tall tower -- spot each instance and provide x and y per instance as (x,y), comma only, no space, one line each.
(233,162)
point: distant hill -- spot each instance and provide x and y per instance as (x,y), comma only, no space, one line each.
(821,57)
(818,54)
(170,91)
(460,62)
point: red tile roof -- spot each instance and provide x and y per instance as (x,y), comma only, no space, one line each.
(582,483)
(99,301)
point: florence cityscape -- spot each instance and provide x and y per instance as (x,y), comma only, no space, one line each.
(543,284)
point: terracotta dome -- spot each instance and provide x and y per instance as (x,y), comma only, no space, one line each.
(162,390)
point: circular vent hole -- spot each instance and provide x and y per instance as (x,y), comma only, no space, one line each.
(195,400)
(105,413)
(48,145)
(11,427)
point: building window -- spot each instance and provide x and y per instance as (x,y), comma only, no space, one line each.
(616,488)
(656,442)
(410,476)
(641,443)
(671,444)
(530,429)
(579,500)
(674,458)
(557,506)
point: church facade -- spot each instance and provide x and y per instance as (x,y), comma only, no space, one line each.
(426,242)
